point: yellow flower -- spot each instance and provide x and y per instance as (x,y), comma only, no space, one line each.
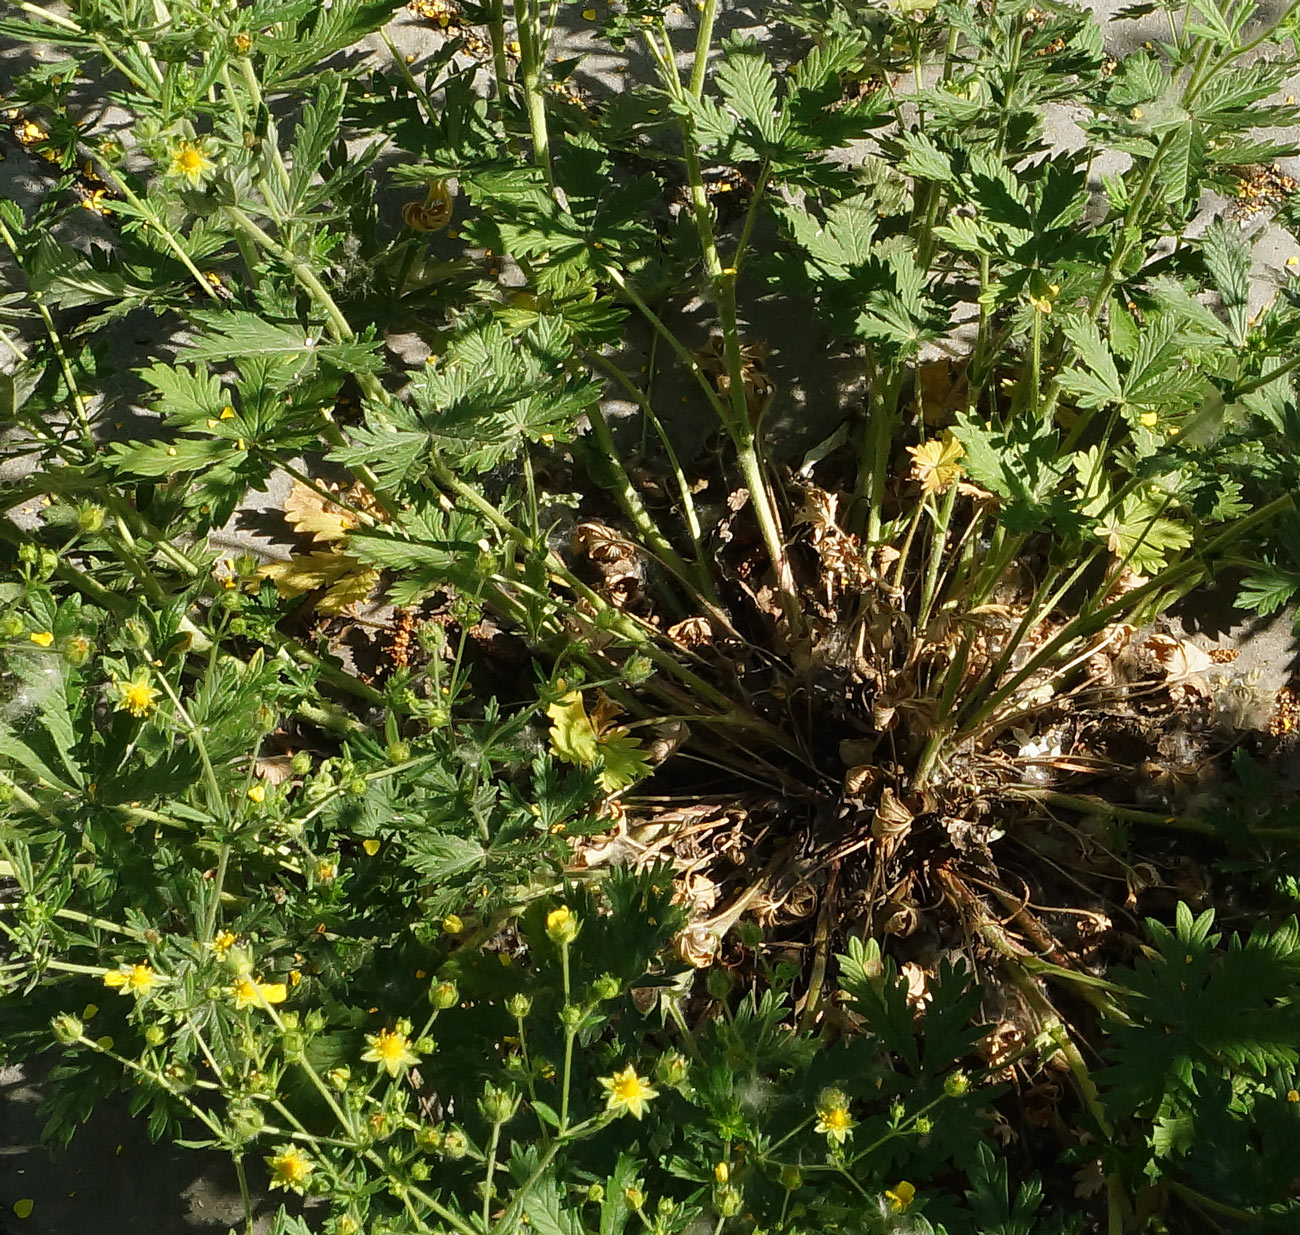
(136,980)
(626,1091)
(224,941)
(1041,304)
(42,638)
(833,1118)
(136,696)
(391,1049)
(290,1168)
(900,1196)
(189,162)
(562,925)
(1148,420)
(249,993)
(934,463)
(257,793)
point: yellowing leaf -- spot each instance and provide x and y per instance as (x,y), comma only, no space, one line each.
(345,580)
(310,513)
(575,740)
(573,737)
(934,463)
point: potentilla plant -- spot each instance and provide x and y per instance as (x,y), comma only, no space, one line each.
(242,839)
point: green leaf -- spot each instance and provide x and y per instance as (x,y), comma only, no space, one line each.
(439,856)
(1267,589)
(923,159)
(316,131)
(1227,258)
(1097,383)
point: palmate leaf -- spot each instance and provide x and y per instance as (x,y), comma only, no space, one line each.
(242,334)
(1020,466)
(316,131)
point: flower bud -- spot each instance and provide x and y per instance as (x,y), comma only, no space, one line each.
(728,1200)
(519,1006)
(155,1035)
(571,1016)
(497,1106)
(67,1028)
(455,1144)
(718,983)
(606,987)
(721,1172)
(428,1139)
(246,1120)
(443,995)
(791,1177)
(314,1021)
(924,1125)
(398,752)
(90,517)
(28,553)
(76,651)
(596,1193)
(452,925)
(300,764)
(11,626)
(339,1077)
(356,786)
(634,1197)
(672,1069)
(293,1044)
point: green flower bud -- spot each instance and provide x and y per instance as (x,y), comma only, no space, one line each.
(596,1193)
(293,1044)
(76,650)
(314,1021)
(420,1171)
(519,1006)
(300,764)
(155,1035)
(637,669)
(246,1120)
(356,786)
(672,1069)
(455,1145)
(90,517)
(924,1125)
(428,1139)
(49,562)
(718,983)
(791,1177)
(571,1016)
(398,752)
(28,553)
(728,1200)
(11,626)
(634,1197)
(339,1077)
(443,995)
(67,1028)
(606,987)
(497,1106)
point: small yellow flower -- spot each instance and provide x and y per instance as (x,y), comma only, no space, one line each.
(136,696)
(935,465)
(325,871)
(900,1196)
(626,1091)
(371,846)
(1293,1095)
(257,793)
(42,638)
(391,1049)
(258,994)
(562,925)
(1148,420)
(1041,304)
(833,1118)
(189,162)
(136,980)
(290,1168)
(224,941)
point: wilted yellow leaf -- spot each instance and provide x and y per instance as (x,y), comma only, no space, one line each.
(575,740)
(344,580)
(311,514)
(935,463)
